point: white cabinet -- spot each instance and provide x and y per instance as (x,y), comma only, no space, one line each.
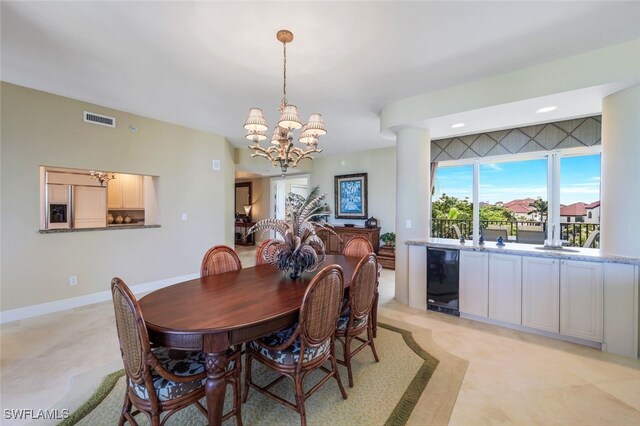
(474,283)
(90,207)
(505,288)
(58,194)
(126,192)
(541,293)
(581,299)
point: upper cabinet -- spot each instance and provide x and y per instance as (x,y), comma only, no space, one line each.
(126,192)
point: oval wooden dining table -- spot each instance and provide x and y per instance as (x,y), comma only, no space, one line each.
(213,313)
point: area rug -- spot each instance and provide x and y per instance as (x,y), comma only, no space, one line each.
(385,393)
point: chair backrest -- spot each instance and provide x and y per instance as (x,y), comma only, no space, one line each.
(528,236)
(218,260)
(132,331)
(493,234)
(363,287)
(265,247)
(320,307)
(591,239)
(456,229)
(357,247)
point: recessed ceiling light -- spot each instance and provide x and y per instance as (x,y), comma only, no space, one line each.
(457,125)
(546,109)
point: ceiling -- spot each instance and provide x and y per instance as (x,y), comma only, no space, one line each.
(203,64)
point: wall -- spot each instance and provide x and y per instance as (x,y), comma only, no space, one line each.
(379,164)
(44,129)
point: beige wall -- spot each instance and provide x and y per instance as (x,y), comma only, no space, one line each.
(380,164)
(44,129)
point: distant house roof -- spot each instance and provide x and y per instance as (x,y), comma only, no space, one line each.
(592,205)
(575,209)
(521,206)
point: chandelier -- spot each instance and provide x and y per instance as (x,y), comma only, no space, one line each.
(282,152)
(101,177)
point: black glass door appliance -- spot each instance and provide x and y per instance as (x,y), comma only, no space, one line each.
(442,280)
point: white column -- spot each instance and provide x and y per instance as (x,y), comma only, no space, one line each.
(620,173)
(413,209)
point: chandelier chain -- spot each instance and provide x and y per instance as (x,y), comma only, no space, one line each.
(284,86)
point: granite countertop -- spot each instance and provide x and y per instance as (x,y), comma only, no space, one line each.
(570,253)
(102,228)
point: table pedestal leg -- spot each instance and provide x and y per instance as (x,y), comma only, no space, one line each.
(215,386)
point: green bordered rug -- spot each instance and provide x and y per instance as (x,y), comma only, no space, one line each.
(384,392)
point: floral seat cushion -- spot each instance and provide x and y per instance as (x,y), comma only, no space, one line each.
(344,320)
(290,355)
(180,363)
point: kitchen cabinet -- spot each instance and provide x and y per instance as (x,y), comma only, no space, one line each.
(474,283)
(126,192)
(90,207)
(58,194)
(541,293)
(335,244)
(505,288)
(581,299)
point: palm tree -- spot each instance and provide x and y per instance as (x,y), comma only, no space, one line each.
(540,207)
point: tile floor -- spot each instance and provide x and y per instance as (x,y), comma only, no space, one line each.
(487,375)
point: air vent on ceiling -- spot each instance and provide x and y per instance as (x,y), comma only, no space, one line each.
(102,120)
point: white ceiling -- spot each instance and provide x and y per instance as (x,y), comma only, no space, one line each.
(203,64)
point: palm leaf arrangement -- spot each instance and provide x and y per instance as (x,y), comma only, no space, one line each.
(298,248)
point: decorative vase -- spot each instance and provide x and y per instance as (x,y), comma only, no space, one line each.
(119,219)
(110,218)
(127,219)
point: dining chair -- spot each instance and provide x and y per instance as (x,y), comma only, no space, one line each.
(357,247)
(218,260)
(530,235)
(265,247)
(356,317)
(306,345)
(591,239)
(493,234)
(161,379)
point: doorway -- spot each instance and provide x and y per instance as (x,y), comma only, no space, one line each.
(280,187)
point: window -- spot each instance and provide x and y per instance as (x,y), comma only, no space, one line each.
(551,197)
(579,197)
(513,200)
(452,202)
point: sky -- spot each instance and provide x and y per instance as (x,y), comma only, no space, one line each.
(506,181)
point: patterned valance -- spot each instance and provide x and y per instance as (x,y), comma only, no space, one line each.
(579,132)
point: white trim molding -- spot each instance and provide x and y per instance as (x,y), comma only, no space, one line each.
(88,299)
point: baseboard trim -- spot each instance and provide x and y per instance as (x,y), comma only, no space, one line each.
(88,299)
(557,336)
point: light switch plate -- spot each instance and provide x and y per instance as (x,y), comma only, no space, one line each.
(216,164)
(408,224)
(184,216)
(73,280)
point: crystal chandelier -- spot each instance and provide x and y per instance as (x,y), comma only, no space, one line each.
(282,153)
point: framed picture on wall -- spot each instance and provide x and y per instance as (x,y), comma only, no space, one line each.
(351,196)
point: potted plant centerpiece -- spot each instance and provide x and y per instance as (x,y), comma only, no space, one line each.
(298,248)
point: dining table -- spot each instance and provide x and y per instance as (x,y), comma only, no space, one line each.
(216,312)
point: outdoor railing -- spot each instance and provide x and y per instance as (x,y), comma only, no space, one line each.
(574,234)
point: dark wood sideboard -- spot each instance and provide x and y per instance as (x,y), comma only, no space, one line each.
(334,245)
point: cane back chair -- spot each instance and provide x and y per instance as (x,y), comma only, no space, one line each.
(218,260)
(356,316)
(305,346)
(357,247)
(160,379)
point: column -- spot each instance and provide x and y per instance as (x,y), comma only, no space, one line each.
(413,209)
(620,173)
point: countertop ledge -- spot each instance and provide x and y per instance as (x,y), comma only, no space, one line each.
(107,228)
(587,254)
